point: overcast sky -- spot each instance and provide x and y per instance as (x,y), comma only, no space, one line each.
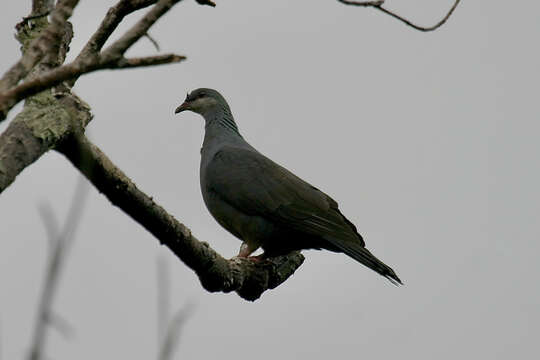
(428,141)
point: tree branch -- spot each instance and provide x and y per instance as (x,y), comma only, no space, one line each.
(206,2)
(56,118)
(36,48)
(247,277)
(73,70)
(90,59)
(41,7)
(418,27)
(114,16)
(148,61)
(61,243)
(362,3)
(119,47)
(46,120)
(378,5)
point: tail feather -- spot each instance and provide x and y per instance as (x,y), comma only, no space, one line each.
(365,257)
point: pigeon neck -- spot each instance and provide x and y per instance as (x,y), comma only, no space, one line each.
(220,121)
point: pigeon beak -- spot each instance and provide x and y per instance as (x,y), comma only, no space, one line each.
(183,107)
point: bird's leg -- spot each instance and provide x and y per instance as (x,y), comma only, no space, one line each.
(247,249)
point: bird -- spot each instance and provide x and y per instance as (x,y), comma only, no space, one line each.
(262,203)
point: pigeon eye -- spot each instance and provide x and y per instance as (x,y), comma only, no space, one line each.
(201,95)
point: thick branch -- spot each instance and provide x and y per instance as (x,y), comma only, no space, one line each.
(45,121)
(35,49)
(248,278)
(40,7)
(378,5)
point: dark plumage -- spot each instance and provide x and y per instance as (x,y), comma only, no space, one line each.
(262,203)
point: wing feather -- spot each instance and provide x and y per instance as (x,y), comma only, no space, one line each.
(249,181)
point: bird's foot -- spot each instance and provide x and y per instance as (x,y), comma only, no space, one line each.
(246,250)
(258,258)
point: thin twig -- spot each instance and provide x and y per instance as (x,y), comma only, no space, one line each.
(114,16)
(362,3)
(60,324)
(152,40)
(63,241)
(418,27)
(163,297)
(206,2)
(168,329)
(148,61)
(378,5)
(73,70)
(172,336)
(119,47)
(50,222)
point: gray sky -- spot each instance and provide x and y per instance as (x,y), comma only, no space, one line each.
(429,142)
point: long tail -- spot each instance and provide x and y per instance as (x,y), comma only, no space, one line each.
(363,256)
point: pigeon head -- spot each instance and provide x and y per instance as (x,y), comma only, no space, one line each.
(202,101)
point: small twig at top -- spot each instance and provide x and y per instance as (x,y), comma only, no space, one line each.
(418,27)
(378,5)
(362,3)
(152,40)
(206,2)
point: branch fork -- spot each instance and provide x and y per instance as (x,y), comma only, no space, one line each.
(91,58)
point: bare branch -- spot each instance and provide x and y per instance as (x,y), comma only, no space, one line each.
(60,324)
(168,329)
(163,297)
(148,61)
(40,45)
(54,266)
(40,7)
(247,277)
(73,70)
(90,59)
(206,2)
(378,5)
(111,21)
(46,120)
(172,334)
(362,3)
(119,47)
(418,27)
(51,224)
(153,41)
